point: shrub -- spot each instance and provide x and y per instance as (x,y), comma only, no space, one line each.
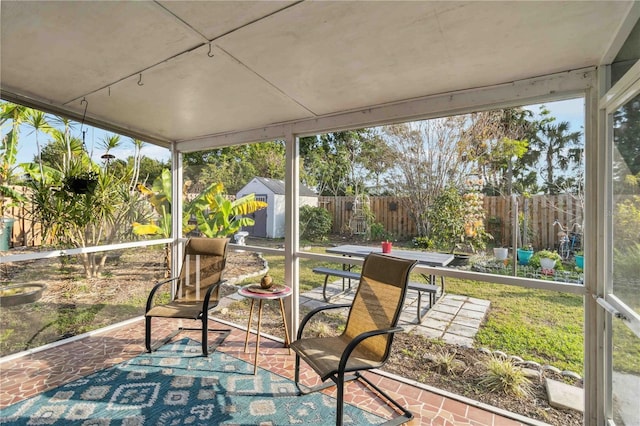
(378,233)
(626,226)
(456,218)
(315,223)
(626,262)
(423,242)
(503,376)
(446,363)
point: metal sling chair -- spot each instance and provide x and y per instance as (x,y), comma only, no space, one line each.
(197,290)
(366,341)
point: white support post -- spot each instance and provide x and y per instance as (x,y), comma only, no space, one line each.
(176,209)
(594,252)
(292,232)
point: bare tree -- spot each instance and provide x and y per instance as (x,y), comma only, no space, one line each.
(427,157)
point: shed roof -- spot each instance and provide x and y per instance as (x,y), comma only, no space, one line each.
(277,187)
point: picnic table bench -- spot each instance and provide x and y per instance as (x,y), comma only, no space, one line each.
(431,289)
(423,258)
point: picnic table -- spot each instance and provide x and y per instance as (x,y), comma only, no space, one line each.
(423,257)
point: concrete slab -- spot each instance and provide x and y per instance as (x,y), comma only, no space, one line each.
(472,307)
(562,395)
(312,304)
(443,316)
(477,315)
(441,307)
(435,324)
(454,318)
(467,322)
(626,388)
(454,339)
(429,333)
(462,330)
(479,302)
(449,302)
(456,297)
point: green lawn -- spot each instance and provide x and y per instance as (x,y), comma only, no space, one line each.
(537,325)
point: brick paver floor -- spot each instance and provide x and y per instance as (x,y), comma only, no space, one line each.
(32,373)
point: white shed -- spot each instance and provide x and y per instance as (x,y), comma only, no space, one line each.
(270,221)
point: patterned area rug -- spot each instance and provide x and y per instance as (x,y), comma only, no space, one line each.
(176,385)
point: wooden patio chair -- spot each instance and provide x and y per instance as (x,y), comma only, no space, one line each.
(366,341)
(197,290)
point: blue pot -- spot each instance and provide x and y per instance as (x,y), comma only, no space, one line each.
(524,256)
(580,261)
(5,233)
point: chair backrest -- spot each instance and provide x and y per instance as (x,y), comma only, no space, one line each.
(378,302)
(203,263)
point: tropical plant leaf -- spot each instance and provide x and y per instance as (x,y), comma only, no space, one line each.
(146,229)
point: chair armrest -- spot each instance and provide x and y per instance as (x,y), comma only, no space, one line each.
(154,291)
(207,296)
(309,315)
(358,339)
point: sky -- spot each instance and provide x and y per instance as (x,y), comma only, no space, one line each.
(569,110)
(27,148)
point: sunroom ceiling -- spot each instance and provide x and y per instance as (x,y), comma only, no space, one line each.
(180,70)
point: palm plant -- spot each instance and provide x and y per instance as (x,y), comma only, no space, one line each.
(217,216)
(159,196)
(17,114)
(557,148)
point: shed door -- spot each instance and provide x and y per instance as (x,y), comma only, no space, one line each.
(259,229)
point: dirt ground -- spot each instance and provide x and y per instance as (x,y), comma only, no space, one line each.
(72,306)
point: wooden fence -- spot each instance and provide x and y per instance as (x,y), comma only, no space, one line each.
(26,232)
(538,212)
(389,211)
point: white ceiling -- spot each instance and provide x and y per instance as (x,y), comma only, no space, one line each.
(145,67)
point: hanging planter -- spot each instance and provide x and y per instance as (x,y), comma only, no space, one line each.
(83,183)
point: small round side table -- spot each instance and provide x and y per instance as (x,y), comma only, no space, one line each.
(255,292)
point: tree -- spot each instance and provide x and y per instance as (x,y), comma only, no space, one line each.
(626,137)
(97,215)
(93,218)
(37,120)
(235,166)
(496,141)
(16,114)
(427,159)
(335,163)
(558,149)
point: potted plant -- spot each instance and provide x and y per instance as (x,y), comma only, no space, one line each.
(524,254)
(580,259)
(548,259)
(501,253)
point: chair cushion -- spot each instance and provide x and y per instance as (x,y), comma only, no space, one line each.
(323,355)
